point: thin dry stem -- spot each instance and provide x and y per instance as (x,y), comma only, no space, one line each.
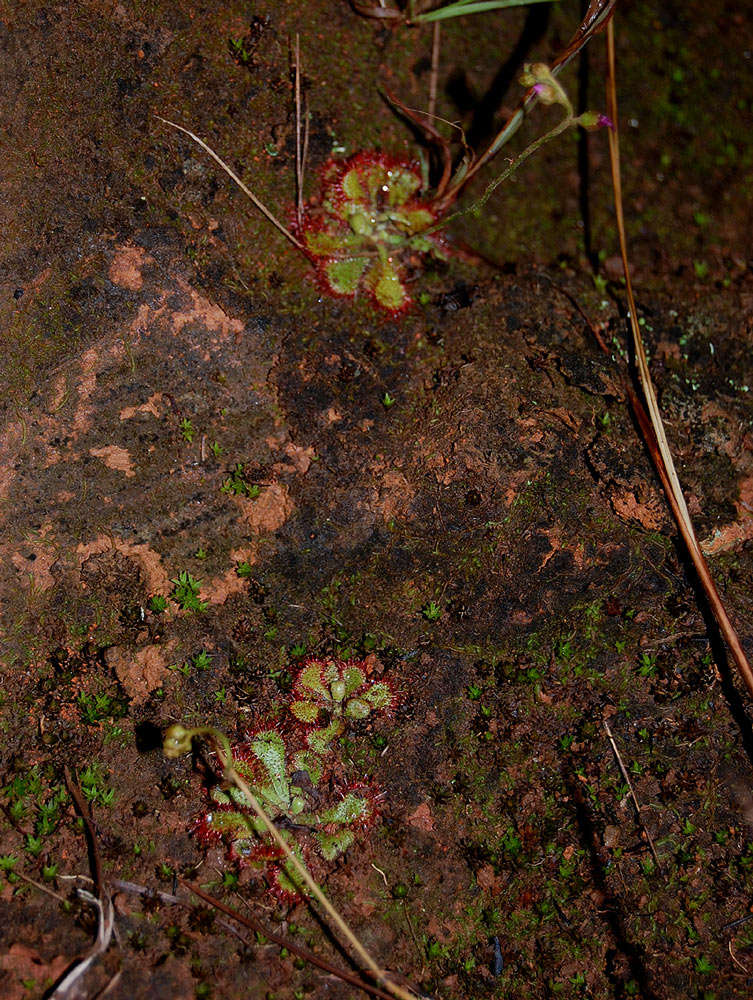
(298,150)
(633,796)
(233,176)
(663,457)
(434,74)
(284,942)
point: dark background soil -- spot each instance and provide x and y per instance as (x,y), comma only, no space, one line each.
(157,332)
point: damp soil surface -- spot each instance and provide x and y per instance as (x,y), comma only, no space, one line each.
(210,474)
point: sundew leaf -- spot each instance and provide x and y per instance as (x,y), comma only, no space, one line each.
(402,184)
(319,739)
(311,677)
(269,748)
(332,845)
(352,808)
(353,185)
(330,673)
(357,708)
(344,276)
(286,881)
(353,678)
(413,220)
(305,711)
(379,695)
(239,826)
(385,285)
(323,243)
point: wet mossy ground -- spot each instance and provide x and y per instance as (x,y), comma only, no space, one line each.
(459,494)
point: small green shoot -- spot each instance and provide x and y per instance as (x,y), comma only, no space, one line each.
(237,485)
(187,430)
(157,603)
(186,591)
(202,660)
(432,612)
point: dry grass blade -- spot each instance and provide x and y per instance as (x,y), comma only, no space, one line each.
(300,151)
(434,74)
(654,432)
(69,986)
(233,176)
(633,796)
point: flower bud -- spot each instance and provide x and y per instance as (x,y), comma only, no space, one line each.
(177,741)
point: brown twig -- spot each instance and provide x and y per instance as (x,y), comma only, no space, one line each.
(308,956)
(82,807)
(633,796)
(42,888)
(736,960)
(234,177)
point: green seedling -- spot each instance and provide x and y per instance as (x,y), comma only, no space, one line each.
(186,592)
(187,430)
(157,603)
(93,784)
(432,612)
(237,485)
(100,705)
(7,864)
(202,660)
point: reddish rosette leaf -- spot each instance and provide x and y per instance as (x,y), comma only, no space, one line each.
(206,833)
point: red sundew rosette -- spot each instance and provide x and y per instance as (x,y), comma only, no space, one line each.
(368,205)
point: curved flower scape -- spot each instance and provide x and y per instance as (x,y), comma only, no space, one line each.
(368,223)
